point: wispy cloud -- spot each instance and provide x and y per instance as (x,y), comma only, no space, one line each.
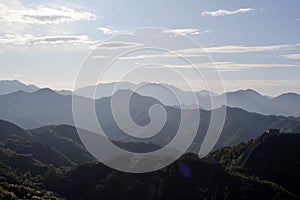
(186,31)
(247,49)
(107,31)
(292,56)
(18,17)
(147,56)
(110,31)
(31,25)
(222,12)
(196,52)
(115,45)
(231,66)
(15,12)
(101,57)
(176,32)
(298,19)
(74,41)
(224,66)
(14,41)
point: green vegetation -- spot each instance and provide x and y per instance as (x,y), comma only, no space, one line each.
(52,158)
(15,192)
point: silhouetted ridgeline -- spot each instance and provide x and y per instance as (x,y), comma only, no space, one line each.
(53,158)
(46,107)
(286,104)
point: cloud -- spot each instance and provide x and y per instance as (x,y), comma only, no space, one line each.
(292,56)
(15,12)
(115,45)
(231,66)
(247,49)
(298,19)
(171,54)
(196,52)
(18,17)
(25,41)
(146,56)
(224,66)
(14,41)
(222,12)
(186,31)
(30,25)
(107,31)
(101,57)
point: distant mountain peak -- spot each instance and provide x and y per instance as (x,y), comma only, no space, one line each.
(290,94)
(248,91)
(11,86)
(123,91)
(207,93)
(45,91)
(251,90)
(10,81)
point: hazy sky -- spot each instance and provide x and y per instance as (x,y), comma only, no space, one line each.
(255,44)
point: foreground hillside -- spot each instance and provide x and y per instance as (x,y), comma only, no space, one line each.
(15,192)
(270,161)
(273,157)
(189,177)
(52,158)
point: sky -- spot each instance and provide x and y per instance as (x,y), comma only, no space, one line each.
(254,44)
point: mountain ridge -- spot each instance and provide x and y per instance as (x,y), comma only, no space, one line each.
(287,104)
(46,107)
(189,176)
(247,99)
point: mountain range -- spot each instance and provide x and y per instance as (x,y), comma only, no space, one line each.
(287,104)
(42,156)
(46,107)
(11,86)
